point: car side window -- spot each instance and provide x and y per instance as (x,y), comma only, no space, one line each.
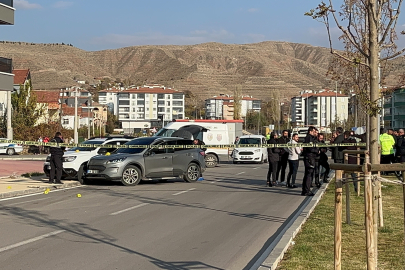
(105,150)
(160,149)
(179,142)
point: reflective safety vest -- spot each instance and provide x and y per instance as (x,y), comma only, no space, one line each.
(387,142)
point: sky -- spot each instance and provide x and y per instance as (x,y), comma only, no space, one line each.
(94,25)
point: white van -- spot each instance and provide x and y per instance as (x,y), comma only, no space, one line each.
(211,132)
(250,154)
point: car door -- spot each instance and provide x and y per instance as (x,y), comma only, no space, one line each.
(182,156)
(158,162)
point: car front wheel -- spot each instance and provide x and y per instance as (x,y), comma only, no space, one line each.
(193,173)
(10,151)
(131,176)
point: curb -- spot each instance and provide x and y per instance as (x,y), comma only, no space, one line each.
(275,253)
(36,190)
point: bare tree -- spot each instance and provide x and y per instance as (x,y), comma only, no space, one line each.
(368,34)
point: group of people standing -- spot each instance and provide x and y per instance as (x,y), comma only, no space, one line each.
(315,158)
(392,146)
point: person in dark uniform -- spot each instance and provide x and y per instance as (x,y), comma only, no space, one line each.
(323,158)
(274,157)
(282,164)
(56,159)
(309,161)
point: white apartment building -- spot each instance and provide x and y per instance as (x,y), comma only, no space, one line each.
(149,106)
(319,108)
(109,97)
(215,109)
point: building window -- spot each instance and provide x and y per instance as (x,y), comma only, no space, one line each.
(168,110)
(133,96)
(140,102)
(161,96)
(167,96)
(141,96)
(177,103)
(123,102)
(146,95)
(177,96)
(66,121)
(124,95)
(161,103)
(168,103)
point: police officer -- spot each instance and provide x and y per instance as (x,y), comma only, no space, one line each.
(56,159)
(309,161)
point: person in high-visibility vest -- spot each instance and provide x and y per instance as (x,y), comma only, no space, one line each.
(387,143)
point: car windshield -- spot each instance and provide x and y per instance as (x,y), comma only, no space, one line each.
(249,141)
(80,148)
(165,132)
(139,141)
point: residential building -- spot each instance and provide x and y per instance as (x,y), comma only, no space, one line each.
(6,76)
(222,107)
(319,108)
(109,97)
(394,109)
(149,106)
(21,77)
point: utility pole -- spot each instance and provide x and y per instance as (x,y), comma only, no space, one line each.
(9,112)
(60,108)
(76,135)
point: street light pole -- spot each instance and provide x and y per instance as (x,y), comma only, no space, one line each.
(76,135)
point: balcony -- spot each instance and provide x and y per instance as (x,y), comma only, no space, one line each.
(6,12)
(6,75)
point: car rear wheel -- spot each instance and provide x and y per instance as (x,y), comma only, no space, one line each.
(211,160)
(10,151)
(193,173)
(131,176)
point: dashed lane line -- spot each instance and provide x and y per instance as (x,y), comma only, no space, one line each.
(184,191)
(128,209)
(240,173)
(31,240)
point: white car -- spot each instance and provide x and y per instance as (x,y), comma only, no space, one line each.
(10,148)
(75,159)
(250,154)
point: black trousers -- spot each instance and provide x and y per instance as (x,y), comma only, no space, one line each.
(325,164)
(56,168)
(282,165)
(309,174)
(271,173)
(292,174)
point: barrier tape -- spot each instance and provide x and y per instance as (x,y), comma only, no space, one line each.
(288,145)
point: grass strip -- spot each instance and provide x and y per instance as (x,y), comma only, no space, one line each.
(313,247)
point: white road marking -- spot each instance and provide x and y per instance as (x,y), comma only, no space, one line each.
(240,173)
(39,193)
(128,209)
(28,201)
(256,168)
(184,191)
(31,240)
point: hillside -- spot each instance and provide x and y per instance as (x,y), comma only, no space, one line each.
(205,69)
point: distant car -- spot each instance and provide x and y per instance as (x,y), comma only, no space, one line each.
(76,158)
(133,164)
(256,154)
(10,148)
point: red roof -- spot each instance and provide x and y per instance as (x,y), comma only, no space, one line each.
(21,75)
(231,98)
(46,96)
(329,94)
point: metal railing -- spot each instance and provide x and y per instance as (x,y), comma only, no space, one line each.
(6,65)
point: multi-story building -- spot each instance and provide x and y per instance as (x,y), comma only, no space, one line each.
(109,97)
(6,76)
(319,108)
(222,107)
(149,106)
(21,77)
(394,109)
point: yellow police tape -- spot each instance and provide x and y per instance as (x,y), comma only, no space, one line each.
(72,145)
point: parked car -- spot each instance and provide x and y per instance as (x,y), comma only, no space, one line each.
(256,154)
(131,165)
(76,158)
(10,148)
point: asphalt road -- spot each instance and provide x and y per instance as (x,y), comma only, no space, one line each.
(223,222)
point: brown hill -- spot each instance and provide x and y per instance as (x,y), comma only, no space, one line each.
(205,69)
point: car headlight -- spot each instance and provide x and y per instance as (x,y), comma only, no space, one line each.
(69,158)
(116,160)
(257,150)
(236,151)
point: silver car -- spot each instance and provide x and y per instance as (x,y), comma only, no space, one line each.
(131,165)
